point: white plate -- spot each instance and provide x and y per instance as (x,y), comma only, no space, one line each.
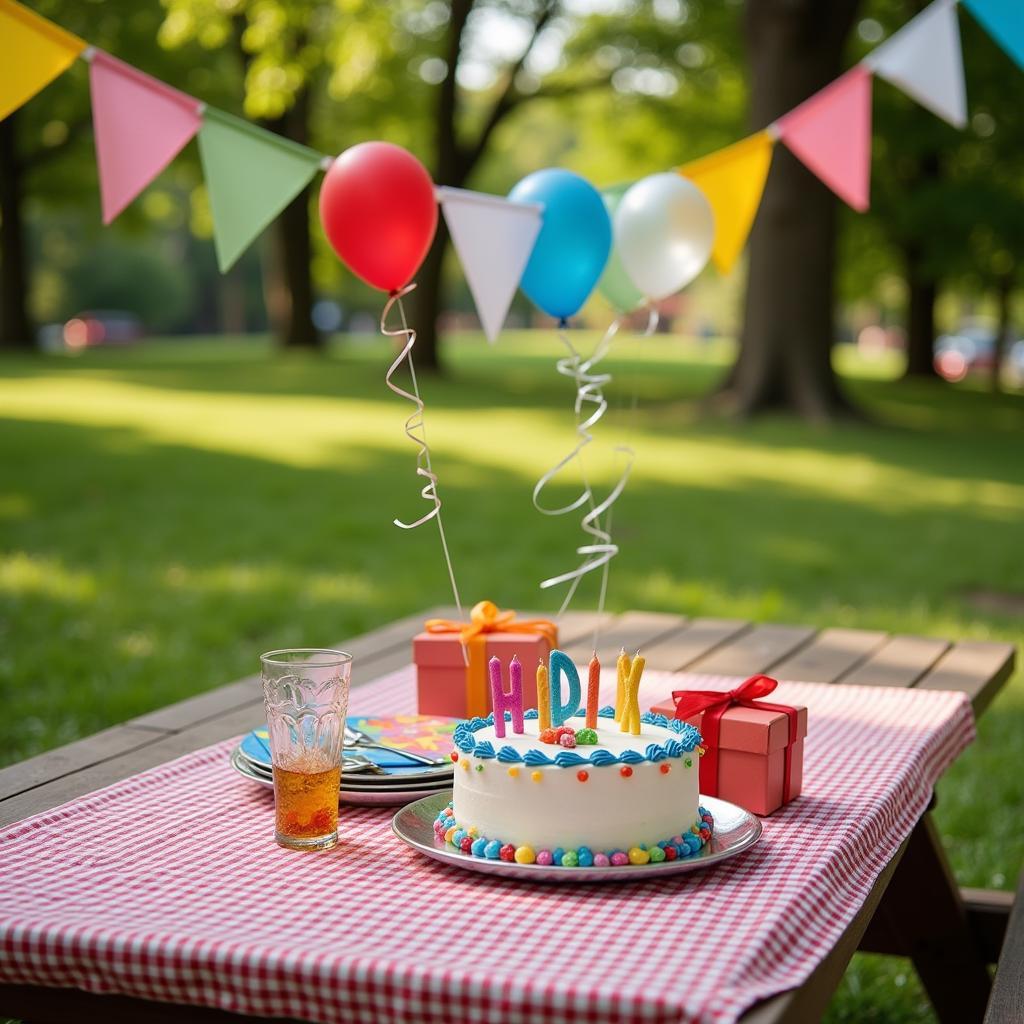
(735,830)
(389,797)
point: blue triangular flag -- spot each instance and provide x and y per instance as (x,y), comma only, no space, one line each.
(1004,22)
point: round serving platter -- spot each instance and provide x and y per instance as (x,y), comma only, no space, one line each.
(736,830)
(356,793)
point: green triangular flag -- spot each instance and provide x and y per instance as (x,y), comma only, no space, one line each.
(251,175)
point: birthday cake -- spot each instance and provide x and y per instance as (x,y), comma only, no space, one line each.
(572,786)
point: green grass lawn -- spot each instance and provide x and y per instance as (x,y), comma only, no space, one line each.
(169,512)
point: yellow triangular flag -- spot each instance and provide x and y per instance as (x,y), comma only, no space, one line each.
(33,52)
(732,180)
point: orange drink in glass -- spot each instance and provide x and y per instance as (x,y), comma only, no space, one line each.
(306,696)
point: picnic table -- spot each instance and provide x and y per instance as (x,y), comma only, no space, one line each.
(915,908)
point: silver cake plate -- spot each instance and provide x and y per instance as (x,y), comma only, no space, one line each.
(736,830)
(358,798)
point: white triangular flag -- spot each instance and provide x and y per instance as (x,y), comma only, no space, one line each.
(494,238)
(924,59)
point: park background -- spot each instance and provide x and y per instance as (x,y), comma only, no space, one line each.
(173,507)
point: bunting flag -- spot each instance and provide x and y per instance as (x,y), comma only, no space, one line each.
(140,126)
(33,52)
(1003,20)
(925,60)
(732,180)
(830,133)
(251,175)
(494,238)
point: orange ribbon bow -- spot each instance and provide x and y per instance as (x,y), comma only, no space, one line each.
(486,617)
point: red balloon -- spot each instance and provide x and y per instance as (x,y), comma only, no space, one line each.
(379,212)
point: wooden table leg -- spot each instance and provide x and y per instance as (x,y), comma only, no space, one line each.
(922,915)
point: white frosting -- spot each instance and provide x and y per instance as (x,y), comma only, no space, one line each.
(607,812)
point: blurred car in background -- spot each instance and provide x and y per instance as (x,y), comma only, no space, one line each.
(102,327)
(971,349)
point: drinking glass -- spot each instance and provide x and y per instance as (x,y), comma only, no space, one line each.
(305,691)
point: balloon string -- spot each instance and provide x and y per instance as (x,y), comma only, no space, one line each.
(415,430)
(589,388)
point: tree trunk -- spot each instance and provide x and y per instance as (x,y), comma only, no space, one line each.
(784,361)
(449,169)
(15,324)
(921,295)
(293,323)
(1004,297)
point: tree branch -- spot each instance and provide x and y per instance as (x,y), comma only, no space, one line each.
(510,96)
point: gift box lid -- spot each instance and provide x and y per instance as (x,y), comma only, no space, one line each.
(752,730)
(443,650)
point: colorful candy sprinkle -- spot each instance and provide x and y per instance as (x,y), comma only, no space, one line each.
(638,856)
(465,766)
(567,740)
(688,762)
(449,836)
(466,845)
(619,859)
(665,768)
(564,730)
(508,852)
(670,853)
(479,767)
(477,847)
(545,858)
(625,771)
(570,859)
(548,736)
(584,857)
(556,855)
(525,855)
(601,860)
(514,772)
(536,776)
(455,755)
(492,851)
(586,737)
(657,854)
(583,775)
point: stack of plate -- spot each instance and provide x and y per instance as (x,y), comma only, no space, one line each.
(398,779)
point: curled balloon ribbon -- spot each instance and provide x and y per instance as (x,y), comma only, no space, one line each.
(415,429)
(589,389)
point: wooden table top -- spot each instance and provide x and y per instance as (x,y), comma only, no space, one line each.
(669,642)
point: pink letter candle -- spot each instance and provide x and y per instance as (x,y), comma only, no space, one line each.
(593,685)
(502,701)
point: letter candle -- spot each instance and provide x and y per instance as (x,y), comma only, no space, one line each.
(543,698)
(630,721)
(501,701)
(620,687)
(593,685)
(561,664)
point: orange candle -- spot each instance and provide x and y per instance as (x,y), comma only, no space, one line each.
(593,683)
(543,698)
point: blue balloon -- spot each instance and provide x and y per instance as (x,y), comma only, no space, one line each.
(573,244)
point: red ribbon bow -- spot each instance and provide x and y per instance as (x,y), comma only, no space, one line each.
(714,704)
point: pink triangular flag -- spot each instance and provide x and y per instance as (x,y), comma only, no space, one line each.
(140,126)
(830,132)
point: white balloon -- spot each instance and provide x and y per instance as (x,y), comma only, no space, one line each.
(664,230)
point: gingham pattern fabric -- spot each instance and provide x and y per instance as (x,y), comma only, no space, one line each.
(169,886)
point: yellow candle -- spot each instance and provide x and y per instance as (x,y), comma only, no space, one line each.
(543,698)
(620,687)
(630,721)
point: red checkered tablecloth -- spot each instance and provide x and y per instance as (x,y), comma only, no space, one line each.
(169,886)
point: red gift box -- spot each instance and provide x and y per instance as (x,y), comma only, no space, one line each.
(451,659)
(754,750)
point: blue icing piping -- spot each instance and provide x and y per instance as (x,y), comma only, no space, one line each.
(685,740)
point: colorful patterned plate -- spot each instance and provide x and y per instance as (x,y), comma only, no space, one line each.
(736,830)
(386,797)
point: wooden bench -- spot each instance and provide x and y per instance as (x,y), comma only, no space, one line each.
(1007,1003)
(915,908)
